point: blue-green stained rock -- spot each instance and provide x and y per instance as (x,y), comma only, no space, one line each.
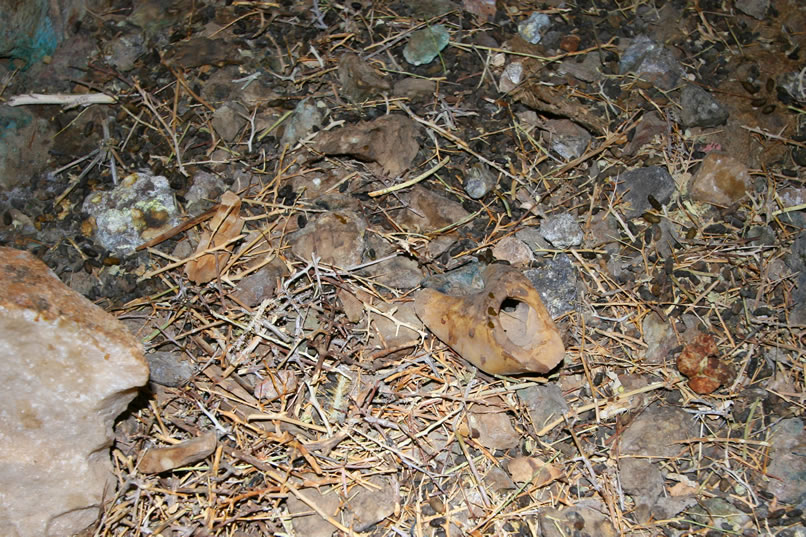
(32,29)
(426,44)
(461,281)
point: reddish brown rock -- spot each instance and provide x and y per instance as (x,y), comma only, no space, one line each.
(335,238)
(492,428)
(69,369)
(534,470)
(700,362)
(514,251)
(391,141)
(359,81)
(429,212)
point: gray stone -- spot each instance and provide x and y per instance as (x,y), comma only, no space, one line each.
(498,480)
(511,77)
(169,369)
(667,507)
(642,480)
(533,28)
(556,281)
(479,181)
(787,462)
(755,8)
(638,184)
(24,144)
(798,313)
(561,230)
(797,258)
(123,51)
(260,285)
(228,120)
(700,109)
(792,83)
(658,432)
(303,121)
(659,337)
(761,236)
(719,513)
(566,138)
(791,197)
(69,369)
(545,403)
(205,189)
(650,62)
(80,282)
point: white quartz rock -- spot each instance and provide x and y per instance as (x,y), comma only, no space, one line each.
(68,369)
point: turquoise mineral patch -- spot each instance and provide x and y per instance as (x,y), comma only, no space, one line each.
(426,44)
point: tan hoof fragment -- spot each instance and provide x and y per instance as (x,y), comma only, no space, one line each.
(504,329)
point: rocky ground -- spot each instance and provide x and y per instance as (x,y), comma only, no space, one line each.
(275,182)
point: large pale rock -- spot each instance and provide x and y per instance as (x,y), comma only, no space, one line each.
(68,369)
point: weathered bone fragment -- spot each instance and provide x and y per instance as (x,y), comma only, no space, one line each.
(157,460)
(504,329)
